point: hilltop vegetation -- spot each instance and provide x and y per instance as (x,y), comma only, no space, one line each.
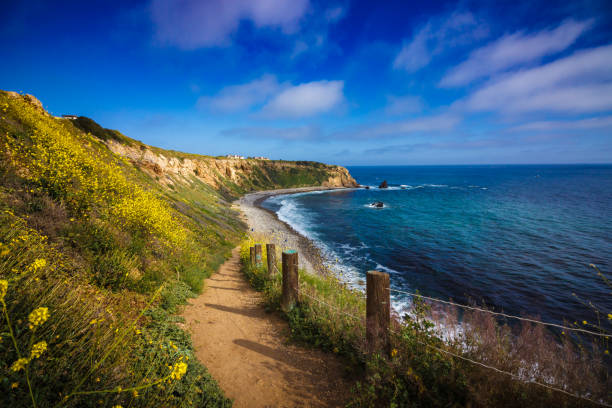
(101,239)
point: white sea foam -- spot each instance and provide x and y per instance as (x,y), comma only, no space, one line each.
(297,217)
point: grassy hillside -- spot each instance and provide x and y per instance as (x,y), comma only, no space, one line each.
(97,250)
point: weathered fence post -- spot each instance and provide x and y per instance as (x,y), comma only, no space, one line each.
(378,312)
(271,255)
(290,280)
(258,255)
(252,254)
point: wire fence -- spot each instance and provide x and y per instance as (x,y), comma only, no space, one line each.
(516,377)
(467,359)
(525,319)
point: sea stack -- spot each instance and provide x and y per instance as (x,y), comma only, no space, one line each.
(384,184)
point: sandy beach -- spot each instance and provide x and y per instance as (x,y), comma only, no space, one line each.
(265,222)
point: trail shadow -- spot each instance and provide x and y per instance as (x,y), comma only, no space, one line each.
(221,288)
(255,312)
(307,381)
(275,354)
(226,280)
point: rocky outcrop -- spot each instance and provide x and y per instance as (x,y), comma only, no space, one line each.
(30,99)
(217,172)
(384,184)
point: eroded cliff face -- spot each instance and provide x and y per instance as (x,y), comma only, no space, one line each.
(249,174)
(233,176)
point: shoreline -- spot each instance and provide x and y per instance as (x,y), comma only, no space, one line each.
(262,221)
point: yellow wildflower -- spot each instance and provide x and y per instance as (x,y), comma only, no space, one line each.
(609,316)
(3,289)
(393,352)
(37,264)
(584,322)
(38,316)
(135,394)
(19,364)
(117,406)
(38,349)
(178,370)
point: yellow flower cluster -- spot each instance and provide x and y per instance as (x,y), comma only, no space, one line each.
(38,349)
(74,169)
(37,264)
(38,316)
(178,370)
(20,364)
(3,289)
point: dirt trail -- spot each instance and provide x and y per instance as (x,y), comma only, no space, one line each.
(245,349)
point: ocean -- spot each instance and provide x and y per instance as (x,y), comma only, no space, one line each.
(518,238)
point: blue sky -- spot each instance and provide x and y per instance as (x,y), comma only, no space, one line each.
(346,82)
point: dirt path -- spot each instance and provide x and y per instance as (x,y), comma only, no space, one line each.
(245,349)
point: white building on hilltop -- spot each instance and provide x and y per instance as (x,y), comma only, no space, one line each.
(234,156)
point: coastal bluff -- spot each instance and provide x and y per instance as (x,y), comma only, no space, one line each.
(243,175)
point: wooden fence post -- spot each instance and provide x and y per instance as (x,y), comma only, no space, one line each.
(252,254)
(258,255)
(290,280)
(271,255)
(378,312)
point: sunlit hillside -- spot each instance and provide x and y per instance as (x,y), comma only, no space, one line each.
(101,238)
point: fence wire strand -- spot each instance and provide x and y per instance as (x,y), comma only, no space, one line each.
(514,376)
(469,360)
(331,307)
(526,319)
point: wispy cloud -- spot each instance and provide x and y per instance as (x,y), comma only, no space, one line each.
(305,100)
(580,83)
(271,99)
(422,125)
(242,97)
(435,36)
(191,24)
(401,105)
(292,133)
(603,122)
(512,50)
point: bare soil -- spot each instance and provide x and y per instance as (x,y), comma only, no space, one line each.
(246,350)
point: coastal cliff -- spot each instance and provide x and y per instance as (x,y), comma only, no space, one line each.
(238,174)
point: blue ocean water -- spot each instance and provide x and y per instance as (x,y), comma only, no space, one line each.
(518,238)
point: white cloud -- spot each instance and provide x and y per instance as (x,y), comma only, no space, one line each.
(512,50)
(415,54)
(426,124)
(190,24)
(307,99)
(580,83)
(580,124)
(306,132)
(242,97)
(437,35)
(275,100)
